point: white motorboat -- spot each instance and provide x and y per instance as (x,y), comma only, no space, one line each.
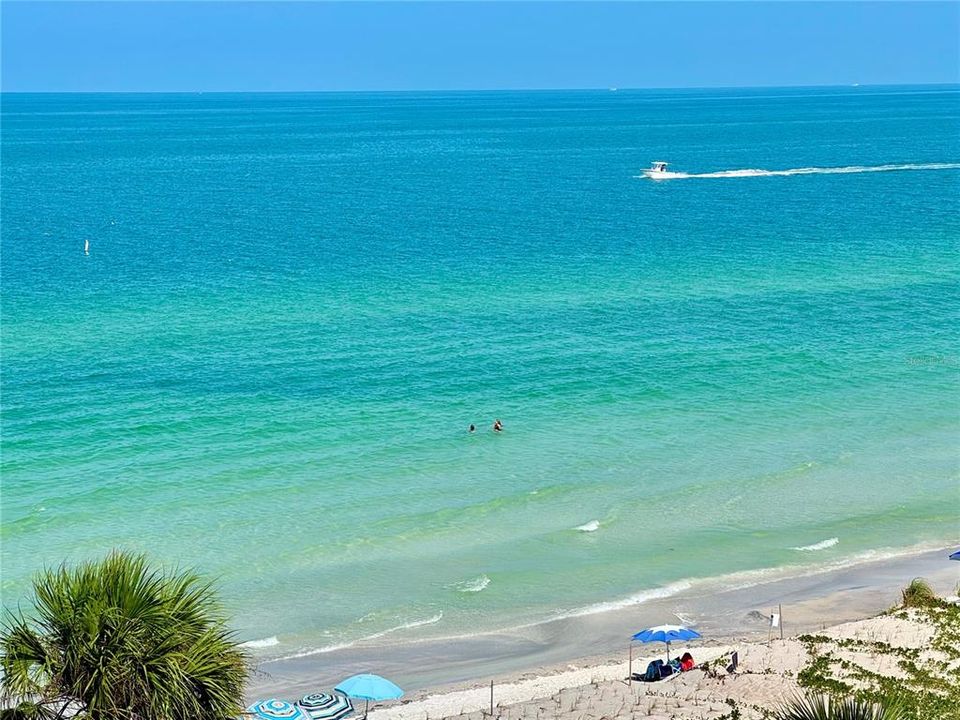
(657,170)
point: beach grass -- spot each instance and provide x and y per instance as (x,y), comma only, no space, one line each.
(918,593)
(922,682)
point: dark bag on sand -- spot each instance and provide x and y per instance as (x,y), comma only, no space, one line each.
(653,671)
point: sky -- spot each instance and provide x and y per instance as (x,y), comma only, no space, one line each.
(300,46)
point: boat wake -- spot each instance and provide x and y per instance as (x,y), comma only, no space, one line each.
(755,172)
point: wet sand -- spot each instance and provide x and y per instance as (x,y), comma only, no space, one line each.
(723,615)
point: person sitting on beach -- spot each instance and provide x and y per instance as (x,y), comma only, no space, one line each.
(686,662)
(497,425)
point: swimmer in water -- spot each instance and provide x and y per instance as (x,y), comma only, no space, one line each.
(472,428)
(497,425)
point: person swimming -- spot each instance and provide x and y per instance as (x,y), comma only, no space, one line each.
(472,428)
(497,425)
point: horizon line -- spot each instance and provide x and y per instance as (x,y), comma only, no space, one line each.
(955,83)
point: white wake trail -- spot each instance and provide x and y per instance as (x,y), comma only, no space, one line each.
(756,172)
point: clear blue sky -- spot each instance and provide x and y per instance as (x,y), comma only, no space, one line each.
(166,46)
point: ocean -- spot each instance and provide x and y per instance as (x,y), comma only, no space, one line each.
(294,305)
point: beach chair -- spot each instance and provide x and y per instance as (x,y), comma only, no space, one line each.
(719,672)
(734,663)
(656,672)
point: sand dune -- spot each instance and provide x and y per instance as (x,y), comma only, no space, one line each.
(766,678)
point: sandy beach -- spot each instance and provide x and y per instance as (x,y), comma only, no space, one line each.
(533,679)
(766,677)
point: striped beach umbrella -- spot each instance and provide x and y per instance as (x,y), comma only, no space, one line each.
(276,710)
(323,706)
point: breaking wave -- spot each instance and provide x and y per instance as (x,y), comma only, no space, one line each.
(264,643)
(473,585)
(589,527)
(375,636)
(635,599)
(822,545)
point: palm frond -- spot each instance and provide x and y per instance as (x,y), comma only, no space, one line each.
(125,640)
(825,707)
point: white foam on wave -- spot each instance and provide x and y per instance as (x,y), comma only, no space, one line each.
(635,599)
(406,626)
(746,578)
(822,545)
(757,172)
(474,585)
(313,651)
(589,527)
(375,636)
(762,576)
(262,643)
(741,579)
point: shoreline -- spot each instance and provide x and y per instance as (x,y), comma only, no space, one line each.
(863,656)
(811,600)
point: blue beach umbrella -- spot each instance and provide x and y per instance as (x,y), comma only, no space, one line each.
(955,556)
(323,706)
(276,710)
(369,687)
(666,634)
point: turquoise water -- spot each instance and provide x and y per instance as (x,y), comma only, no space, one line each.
(294,306)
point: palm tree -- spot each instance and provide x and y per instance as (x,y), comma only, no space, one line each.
(123,642)
(823,707)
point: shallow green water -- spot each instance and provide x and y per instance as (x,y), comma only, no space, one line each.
(294,306)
